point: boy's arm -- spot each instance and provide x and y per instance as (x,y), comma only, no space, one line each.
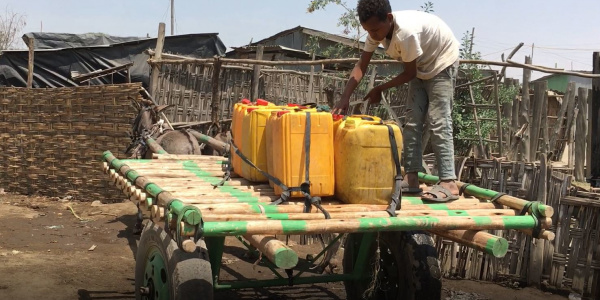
(410,72)
(355,77)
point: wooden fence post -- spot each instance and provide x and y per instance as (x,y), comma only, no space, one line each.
(311,80)
(595,129)
(499,116)
(588,142)
(507,113)
(31,46)
(540,88)
(580,135)
(215,104)
(256,76)
(160,41)
(570,121)
(524,114)
(555,133)
(536,259)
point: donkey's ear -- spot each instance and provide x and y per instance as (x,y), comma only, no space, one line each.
(160,108)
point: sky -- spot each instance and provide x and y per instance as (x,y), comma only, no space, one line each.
(557,33)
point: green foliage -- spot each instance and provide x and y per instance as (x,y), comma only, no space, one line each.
(465,128)
(427,7)
(348,20)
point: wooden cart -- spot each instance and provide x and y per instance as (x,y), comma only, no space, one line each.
(190,214)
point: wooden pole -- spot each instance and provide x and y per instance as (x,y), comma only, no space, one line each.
(510,55)
(568,97)
(31,46)
(317,215)
(154,146)
(507,200)
(160,41)
(524,115)
(499,115)
(215,106)
(568,133)
(175,157)
(250,208)
(581,135)
(595,129)
(276,251)
(311,81)
(272,227)
(222,147)
(545,138)
(515,141)
(588,143)
(478,240)
(476,118)
(256,75)
(534,276)
(540,88)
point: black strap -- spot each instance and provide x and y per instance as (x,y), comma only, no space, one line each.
(463,188)
(227,174)
(537,228)
(397,194)
(497,196)
(304,188)
(526,208)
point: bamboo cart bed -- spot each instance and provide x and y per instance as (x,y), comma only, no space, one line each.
(183,195)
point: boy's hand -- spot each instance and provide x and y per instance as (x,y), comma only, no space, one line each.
(341,107)
(374,95)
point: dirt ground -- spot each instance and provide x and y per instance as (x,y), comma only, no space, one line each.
(47,252)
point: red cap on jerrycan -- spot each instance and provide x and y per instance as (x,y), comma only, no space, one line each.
(337,117)
(282,112)
(262,102)
(246,101)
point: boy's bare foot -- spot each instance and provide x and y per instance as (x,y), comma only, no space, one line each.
(410,183)
(450,185)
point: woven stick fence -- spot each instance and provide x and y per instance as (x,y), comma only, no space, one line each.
(188,85)
(51,139)
(533,261)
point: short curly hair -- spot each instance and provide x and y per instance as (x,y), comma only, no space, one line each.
(373,8)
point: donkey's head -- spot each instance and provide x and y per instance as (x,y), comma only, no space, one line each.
(145,123)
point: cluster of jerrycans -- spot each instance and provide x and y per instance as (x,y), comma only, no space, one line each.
(348,157)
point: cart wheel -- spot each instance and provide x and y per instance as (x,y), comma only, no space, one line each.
(408,267)
(163,271)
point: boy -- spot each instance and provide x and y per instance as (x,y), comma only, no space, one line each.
(429,51)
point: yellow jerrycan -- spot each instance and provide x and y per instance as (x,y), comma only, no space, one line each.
(364,165)
(289,133)
(269,136)
(254,141)
(239,111)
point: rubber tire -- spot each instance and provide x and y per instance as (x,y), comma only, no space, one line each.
(419,274)
(189,274)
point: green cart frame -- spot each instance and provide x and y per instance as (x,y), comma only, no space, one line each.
(180,258)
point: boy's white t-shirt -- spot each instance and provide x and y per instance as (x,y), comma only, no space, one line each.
(421,36)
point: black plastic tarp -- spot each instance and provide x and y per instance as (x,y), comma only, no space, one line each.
(56,40)
(54,67)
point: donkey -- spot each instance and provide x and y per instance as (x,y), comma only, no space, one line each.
(148,124)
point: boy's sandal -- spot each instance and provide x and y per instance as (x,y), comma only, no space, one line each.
(434,190)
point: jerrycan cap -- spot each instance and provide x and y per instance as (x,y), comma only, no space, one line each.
(262,102)
(350,124)
(337,117)
(282,112)
(246,101)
